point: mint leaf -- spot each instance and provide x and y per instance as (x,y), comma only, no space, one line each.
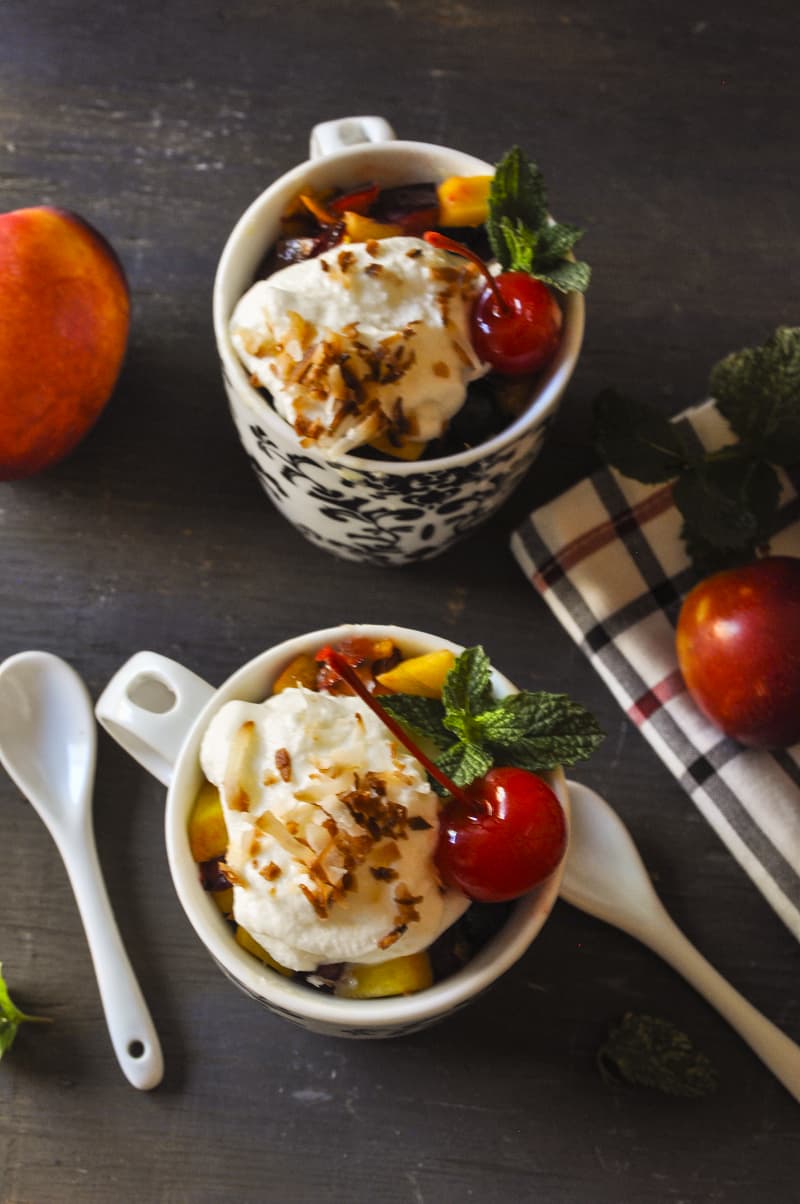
(637,440)
(467,688)
(567,277)
(464,762)
(758,390)
(559,732)
(729,503)
(517,192)
(555,241)
(520,244)
(423,716)
(11,1017)
(650,1052)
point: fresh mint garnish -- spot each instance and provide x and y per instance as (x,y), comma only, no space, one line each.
(647,1051)
(728,498)
(11,1017)
(520,233)
(473,730)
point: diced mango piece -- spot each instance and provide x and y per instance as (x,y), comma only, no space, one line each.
(359,228)
(398,976)
(208,836)
(403,449)
(224,900)
(250,944)
(317,208)
(302,671)
(464,200)
(422,675)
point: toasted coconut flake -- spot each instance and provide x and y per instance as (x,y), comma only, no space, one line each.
(234,786)
(269,823)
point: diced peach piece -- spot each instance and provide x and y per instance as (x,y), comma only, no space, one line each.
(224,900)
(403,449)
(423,675)
(359,228)
(302,671)
(208,836)
(252,946)
(398,976)
(464,200)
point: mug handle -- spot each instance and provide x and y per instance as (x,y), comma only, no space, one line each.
(332,136)
(149,707)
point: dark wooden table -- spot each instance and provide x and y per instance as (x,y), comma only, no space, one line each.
(670,133)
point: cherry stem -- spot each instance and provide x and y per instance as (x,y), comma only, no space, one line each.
(338,663)
(449,244)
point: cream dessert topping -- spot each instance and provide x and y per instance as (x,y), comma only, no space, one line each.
(363,340)
(332,829)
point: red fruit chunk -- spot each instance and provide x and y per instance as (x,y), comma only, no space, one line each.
(738,646)
(521,336)
(509,838)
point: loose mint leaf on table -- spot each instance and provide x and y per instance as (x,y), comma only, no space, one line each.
(522,236)
(637,439)
(11,1017)
(728,498)
(647,1051)
(758,391)
(474,730)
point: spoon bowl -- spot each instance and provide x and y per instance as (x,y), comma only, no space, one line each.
(48,747)
(605,877)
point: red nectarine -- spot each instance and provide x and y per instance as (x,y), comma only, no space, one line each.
(738,645)
(64,319)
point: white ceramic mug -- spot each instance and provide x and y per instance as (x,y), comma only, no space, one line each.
(159,711)
(380,512)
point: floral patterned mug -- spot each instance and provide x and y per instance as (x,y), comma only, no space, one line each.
(381,512)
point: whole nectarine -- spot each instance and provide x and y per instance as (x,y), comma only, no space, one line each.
(738,645)
(64,319)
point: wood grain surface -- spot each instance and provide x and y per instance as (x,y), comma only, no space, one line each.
(670,133)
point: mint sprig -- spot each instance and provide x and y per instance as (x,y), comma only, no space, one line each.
(474,730)
(521,235)
(11,1017)
(728,498)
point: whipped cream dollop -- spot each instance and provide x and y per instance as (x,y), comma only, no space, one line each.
(332,830)
(364,340)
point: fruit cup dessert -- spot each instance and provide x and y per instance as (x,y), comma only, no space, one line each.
(350,857)
(377,327)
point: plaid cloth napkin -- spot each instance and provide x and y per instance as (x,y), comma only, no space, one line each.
(608,559)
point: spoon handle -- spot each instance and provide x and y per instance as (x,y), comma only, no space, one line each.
(130,1026)
(777,1051)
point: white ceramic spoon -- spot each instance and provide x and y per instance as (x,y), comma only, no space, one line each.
(605,877)
(47,745)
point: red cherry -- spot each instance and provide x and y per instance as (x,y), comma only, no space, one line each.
(510,838)
(516,322)
(522,335)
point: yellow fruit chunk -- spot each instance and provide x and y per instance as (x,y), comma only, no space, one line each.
(359,228)
(464,200)
(422,675)
(224,900)
(403,449)
(302,671)
(398,976)
(208,836)
(251,945)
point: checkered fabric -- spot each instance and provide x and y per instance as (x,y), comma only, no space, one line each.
(608,558)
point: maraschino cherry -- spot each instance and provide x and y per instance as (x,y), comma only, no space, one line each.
(516,322)
(502,835)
